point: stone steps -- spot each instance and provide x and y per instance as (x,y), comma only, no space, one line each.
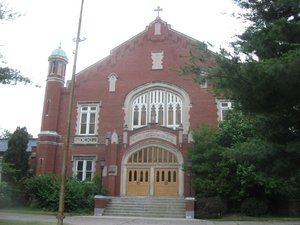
(163,207)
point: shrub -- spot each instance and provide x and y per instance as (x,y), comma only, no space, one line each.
(44,193)
(254,207)
(210,207)
(79,194)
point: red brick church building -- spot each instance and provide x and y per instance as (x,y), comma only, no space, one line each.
(131,117)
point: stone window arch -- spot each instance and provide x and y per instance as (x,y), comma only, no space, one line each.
(160,106)
(157,102)
(112,79)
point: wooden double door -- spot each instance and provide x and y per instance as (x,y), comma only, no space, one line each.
(152,181)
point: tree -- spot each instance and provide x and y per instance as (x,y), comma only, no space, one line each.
(16,156)
(237,163)
(6,13)
(9,75)
(266,80)
(5,134)
(262,77)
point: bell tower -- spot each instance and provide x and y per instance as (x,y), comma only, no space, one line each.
(49,135)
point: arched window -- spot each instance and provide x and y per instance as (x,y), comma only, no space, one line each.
(152,155)
(157,106)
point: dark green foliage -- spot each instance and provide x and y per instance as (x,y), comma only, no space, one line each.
(236,128)
(11,76)
(15,167)
(235,162)
(257,148)
(266,81)
(210,207)
(79,195)
(212,175)
(254,207)
(274,28)
(44,190)
(16,156)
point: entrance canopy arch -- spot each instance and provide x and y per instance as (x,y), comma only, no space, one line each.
(158,101)
(152,169)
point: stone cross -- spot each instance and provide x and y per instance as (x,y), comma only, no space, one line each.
(158,9)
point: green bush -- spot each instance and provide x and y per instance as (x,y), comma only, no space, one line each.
(44,193)
(79,194)
(210,207)
(254,207)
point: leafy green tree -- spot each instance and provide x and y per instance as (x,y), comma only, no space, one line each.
(9,75)
(16,156)
(261,145)
(212,175)
(266,80)
(12,76)
(15,168)
(262,74)
(237,163)
(5,134)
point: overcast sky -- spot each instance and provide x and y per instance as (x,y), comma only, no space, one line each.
(27,42)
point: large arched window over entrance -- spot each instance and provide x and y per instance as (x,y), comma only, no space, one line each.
(157,106)
(157,102)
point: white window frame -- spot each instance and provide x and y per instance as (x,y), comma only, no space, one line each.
(92,108)
(157,98)
(223,105)
(85,171)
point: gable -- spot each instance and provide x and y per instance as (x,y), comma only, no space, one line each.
(151,41)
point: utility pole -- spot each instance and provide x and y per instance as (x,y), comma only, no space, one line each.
(60,214)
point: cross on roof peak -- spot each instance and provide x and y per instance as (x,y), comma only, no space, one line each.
(158,9)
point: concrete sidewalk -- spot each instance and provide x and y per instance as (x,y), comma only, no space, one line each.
(105,220)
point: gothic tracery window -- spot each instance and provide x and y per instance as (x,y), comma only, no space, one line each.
(157,106)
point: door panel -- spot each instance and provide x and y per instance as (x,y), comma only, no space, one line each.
(138,182)
(166,182)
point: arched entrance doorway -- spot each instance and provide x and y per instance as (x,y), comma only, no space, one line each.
(152,171)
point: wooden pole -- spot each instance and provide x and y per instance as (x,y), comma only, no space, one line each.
(60,214)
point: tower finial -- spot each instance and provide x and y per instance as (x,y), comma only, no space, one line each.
(158,9)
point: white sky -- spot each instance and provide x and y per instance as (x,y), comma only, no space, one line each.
(27,42)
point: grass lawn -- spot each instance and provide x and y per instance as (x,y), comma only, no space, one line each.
(15,222)
(28,210)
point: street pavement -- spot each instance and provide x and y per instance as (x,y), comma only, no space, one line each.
(106,220)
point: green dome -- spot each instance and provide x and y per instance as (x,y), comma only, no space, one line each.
(58,53)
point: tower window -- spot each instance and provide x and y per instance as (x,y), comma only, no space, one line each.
(54,67)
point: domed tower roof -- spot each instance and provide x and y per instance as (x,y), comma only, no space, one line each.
(58,53)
